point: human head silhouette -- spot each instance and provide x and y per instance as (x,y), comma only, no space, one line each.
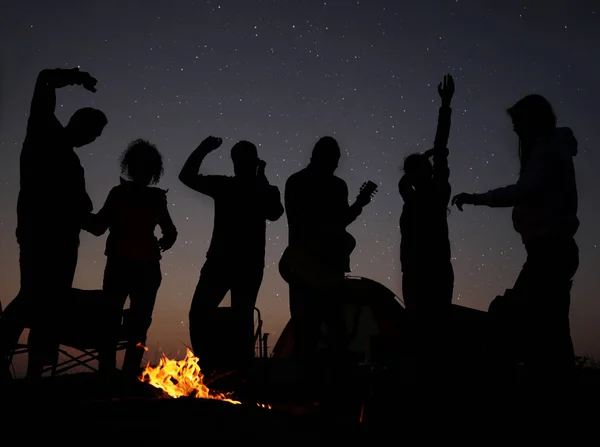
(245,159)
(85,126)
(326,155)
(142,163)
(532,117)
(418,168)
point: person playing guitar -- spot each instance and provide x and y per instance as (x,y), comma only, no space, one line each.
(318,256)
(301,264)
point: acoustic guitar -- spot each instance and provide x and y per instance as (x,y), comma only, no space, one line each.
(299,266)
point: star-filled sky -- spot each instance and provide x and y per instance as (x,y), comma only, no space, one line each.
(284,73)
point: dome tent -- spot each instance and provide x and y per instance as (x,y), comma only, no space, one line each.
(371,309)
(374,311)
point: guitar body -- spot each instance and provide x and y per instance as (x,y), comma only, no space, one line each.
(299,266)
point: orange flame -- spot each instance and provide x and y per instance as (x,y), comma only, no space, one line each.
(183,378)
(180,378)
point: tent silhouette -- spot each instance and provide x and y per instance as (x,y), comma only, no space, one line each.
(371,309)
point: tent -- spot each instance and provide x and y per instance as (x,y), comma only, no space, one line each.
(375,313)
(371,310)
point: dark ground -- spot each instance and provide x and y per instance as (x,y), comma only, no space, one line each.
(87,409)
(85,405)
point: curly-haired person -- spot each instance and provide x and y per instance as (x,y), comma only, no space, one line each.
(131,213)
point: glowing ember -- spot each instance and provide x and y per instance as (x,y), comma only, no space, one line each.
(183,378)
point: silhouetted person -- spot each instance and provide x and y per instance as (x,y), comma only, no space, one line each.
(318,254)
(51,207)
(544,202)
(236,256)
(427,274)
(131,213)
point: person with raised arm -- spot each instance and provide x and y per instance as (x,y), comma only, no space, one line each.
(425,255)
(425,247)
(235,260)
(51,209)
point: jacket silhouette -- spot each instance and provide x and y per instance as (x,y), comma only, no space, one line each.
(544,201)
(132,213)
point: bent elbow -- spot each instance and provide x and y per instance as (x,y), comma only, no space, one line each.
(45,74)
(184,178)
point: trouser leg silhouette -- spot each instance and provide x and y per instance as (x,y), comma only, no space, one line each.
(544,284)
(47,274)
(217,277)
(140,280)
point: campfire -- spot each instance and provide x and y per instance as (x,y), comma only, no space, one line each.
(183,378)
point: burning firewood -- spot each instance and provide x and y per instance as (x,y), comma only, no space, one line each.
(183,378)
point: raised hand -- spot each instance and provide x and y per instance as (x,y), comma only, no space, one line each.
(446,89)
(461,199)
(211,143)
(86,80)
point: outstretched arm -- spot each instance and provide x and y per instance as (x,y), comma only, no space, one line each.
(98,223)
(536,175)
(520,193)
(189,175)
(502,197)
(495,198)
(528,189)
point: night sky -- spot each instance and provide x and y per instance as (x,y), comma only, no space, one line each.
(284,73)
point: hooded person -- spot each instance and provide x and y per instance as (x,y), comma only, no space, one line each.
(544,202)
